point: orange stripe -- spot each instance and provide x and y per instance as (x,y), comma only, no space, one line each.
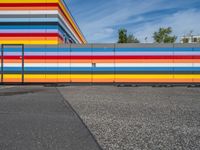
(156,61)
(34,61)
(33,80)
(29,8)
(104,80)
(46,61)
(64,80)
(53,80)
(29,80)
(128,80)
(12,61)
(182,80)
(82,80)
(8,80)
(50,80)
(196,80)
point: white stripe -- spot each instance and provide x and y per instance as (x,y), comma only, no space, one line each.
(28,12)
(81,64)
(48,65)
(57,65)
(146,64)
(102,65)
(40,65)
(12,65)
(196,64)
(155,65)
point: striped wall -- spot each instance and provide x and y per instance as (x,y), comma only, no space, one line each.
(37,22)
(101,63)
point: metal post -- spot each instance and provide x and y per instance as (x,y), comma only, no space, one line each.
(22,63)
(2,63)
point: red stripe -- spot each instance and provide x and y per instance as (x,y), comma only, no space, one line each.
(28,4)
(11,57)
(31,35)
(103,57)
(28,34)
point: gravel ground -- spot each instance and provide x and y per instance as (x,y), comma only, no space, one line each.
(123,118)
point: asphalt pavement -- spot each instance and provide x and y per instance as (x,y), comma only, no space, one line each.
(38,118)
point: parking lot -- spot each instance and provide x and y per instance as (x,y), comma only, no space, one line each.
(84,117)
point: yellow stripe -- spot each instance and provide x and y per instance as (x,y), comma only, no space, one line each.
(13,76)
(45,42)
(39,76)
(82,76)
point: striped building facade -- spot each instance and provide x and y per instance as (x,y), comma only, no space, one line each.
(37,22)
(101,63)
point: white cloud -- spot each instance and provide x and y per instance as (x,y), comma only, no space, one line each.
(98,19)
(182,23)
(95,26)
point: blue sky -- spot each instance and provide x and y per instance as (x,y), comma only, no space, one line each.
(100,20)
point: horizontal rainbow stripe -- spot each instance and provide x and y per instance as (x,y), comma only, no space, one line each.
(37,22)
(100,63)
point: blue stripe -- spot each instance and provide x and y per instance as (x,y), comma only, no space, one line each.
(106,50)
(56,69)
(196,49)
(81,49)
(102,69)
(27,49)
(158,69)
(29,27)
(12,69)
(103,49)
(106,68)
(92,50)
(154,49)
(12,49)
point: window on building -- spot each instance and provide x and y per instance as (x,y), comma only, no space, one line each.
(195,40)
(185,40)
